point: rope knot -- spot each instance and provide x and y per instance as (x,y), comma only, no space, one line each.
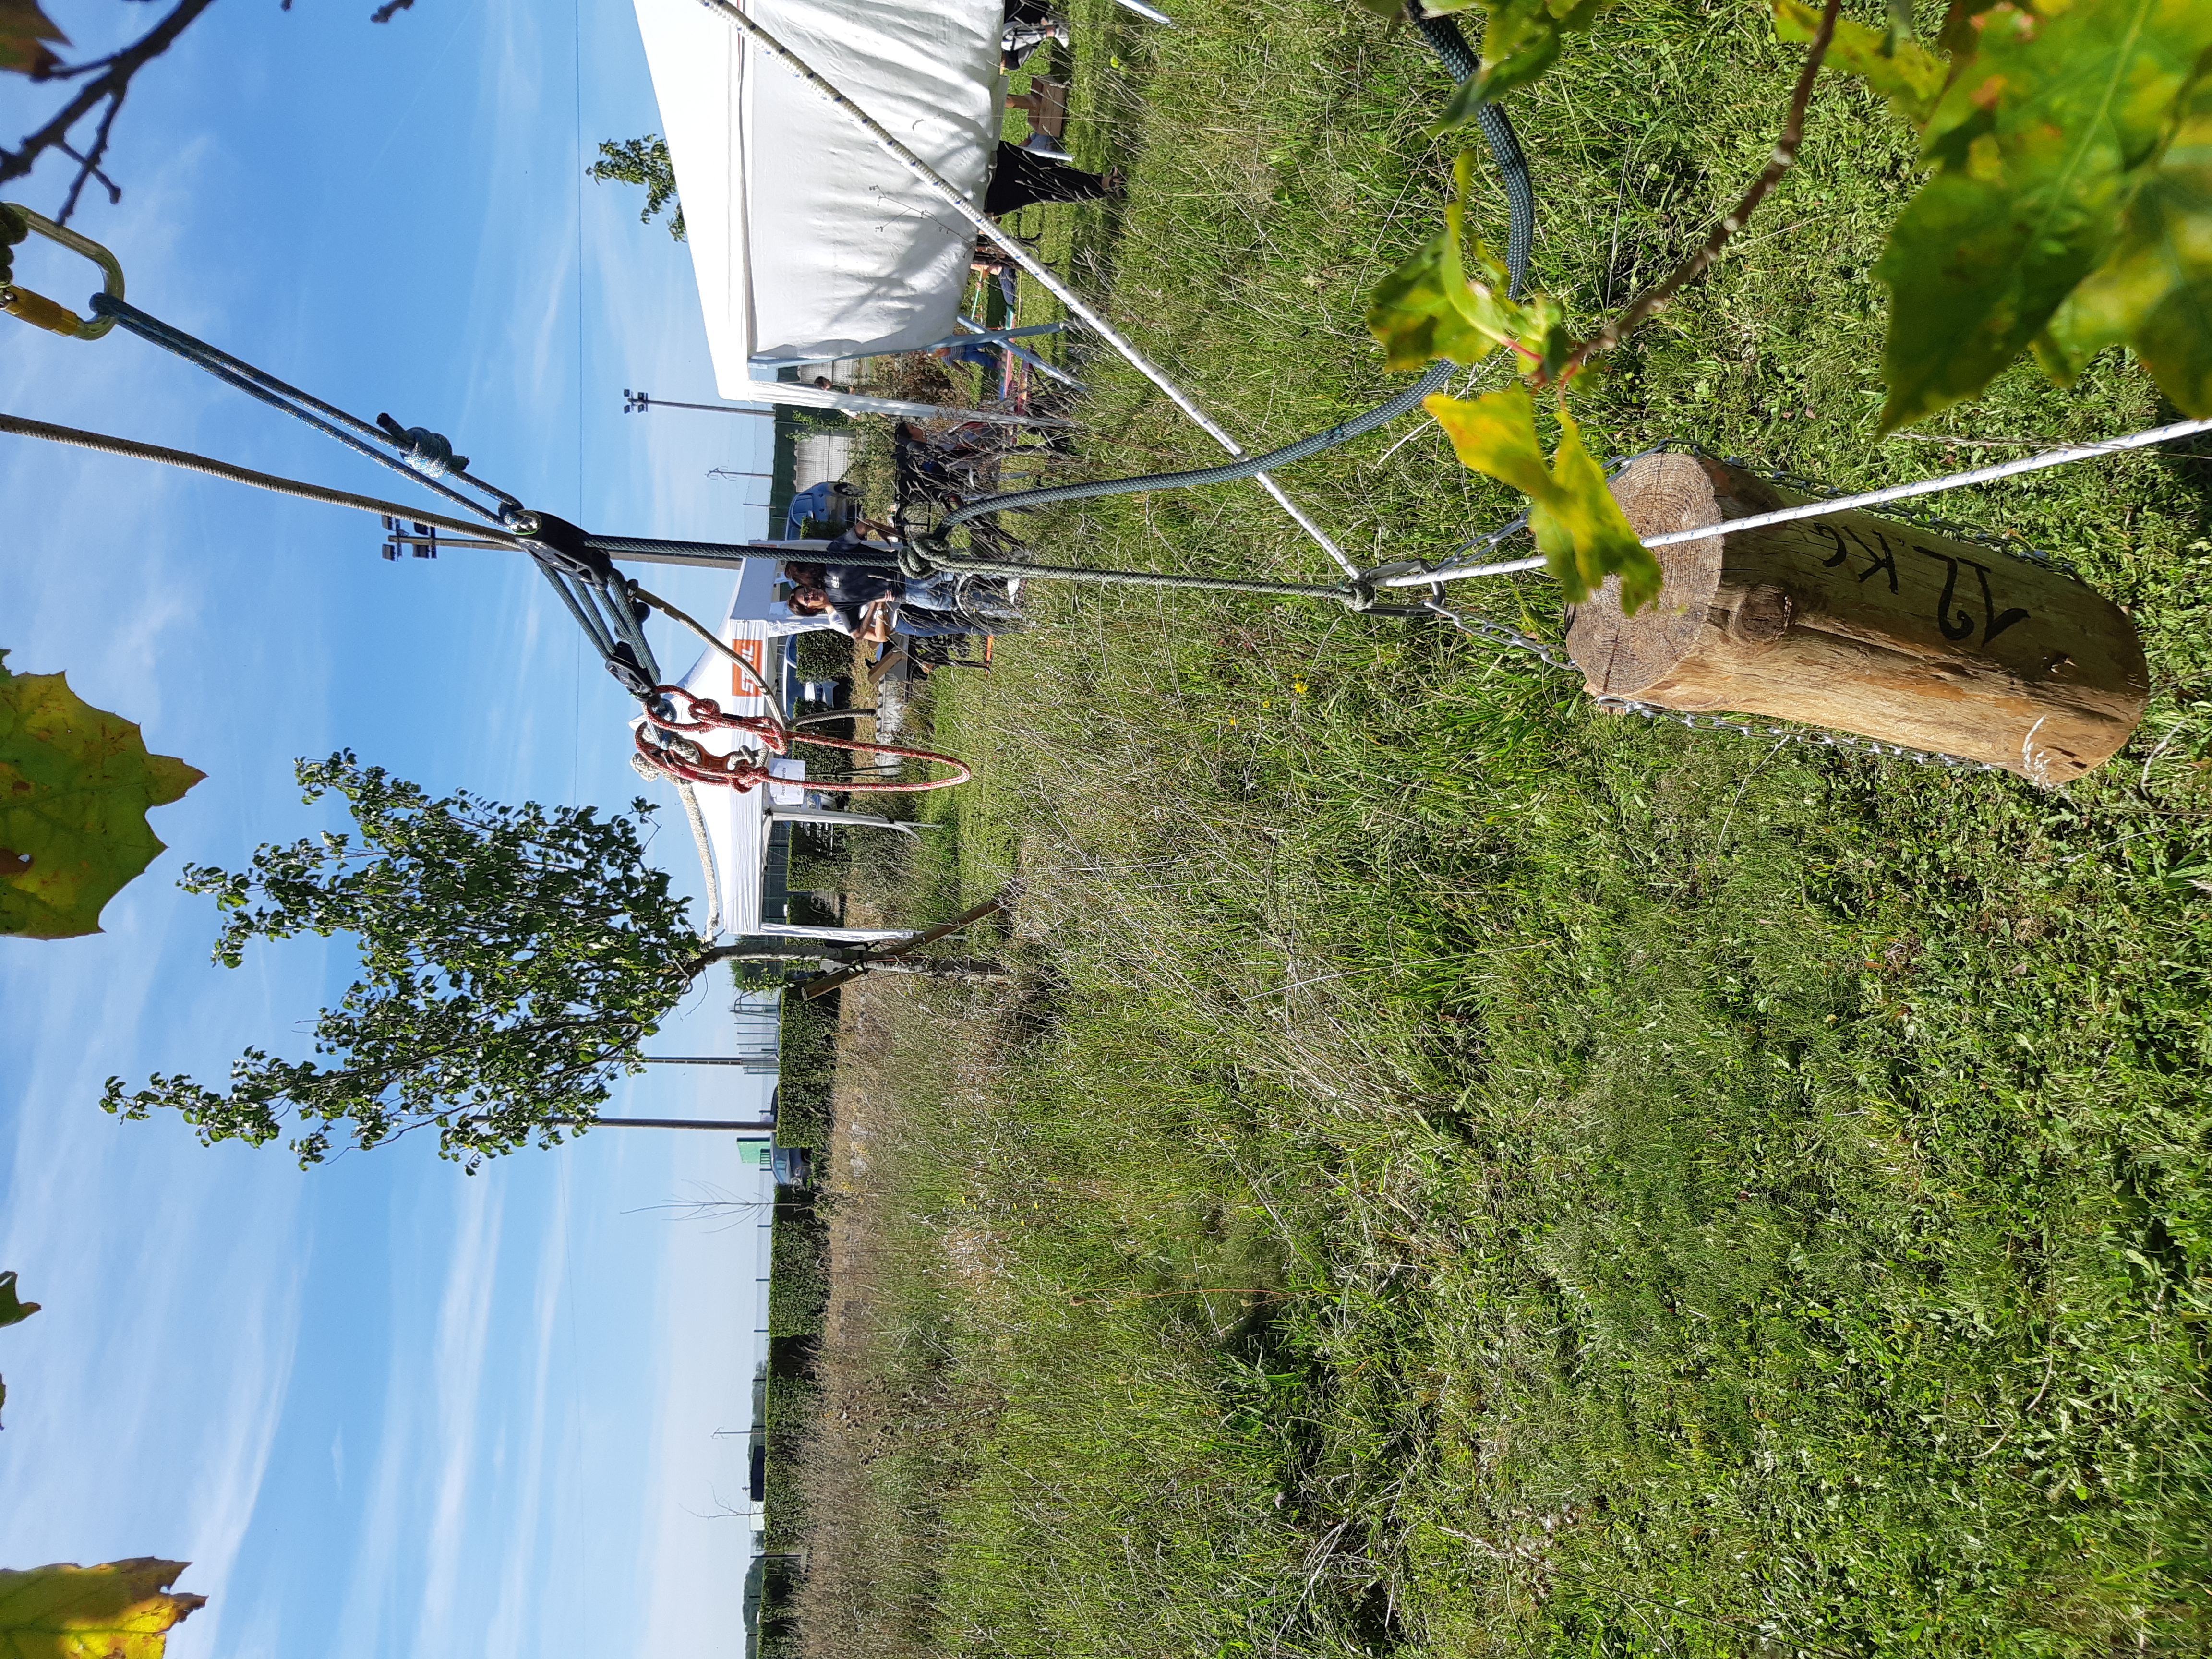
(430,454)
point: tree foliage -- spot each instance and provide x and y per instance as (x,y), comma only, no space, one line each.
(75,783)
(1580,528)
(2069,140)
(642,161)
(117,1610)
(2070,209)
(512,959)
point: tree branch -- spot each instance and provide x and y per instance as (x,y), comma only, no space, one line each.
(1655,300)
(88,166)
(110,84)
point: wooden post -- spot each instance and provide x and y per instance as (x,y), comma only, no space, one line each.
(1863,624)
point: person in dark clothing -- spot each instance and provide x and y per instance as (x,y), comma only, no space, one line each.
(871,605)
(1019,177)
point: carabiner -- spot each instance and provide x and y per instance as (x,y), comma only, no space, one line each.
(17,221)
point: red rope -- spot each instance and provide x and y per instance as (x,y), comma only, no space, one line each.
(736,772)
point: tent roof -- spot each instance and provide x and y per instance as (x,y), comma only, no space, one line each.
(807,241)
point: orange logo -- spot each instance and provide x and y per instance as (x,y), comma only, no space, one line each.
(754,654)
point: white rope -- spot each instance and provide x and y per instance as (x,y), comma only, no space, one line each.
(1021,256)
(1821,510)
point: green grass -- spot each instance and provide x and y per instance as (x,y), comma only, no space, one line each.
(1464,1175)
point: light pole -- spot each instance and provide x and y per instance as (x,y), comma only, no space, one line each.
(636,403)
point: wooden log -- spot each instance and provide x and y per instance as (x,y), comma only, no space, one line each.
(1863,624)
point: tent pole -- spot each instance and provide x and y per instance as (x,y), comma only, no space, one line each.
(1021,256)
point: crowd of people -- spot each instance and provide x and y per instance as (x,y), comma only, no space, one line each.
(871,603)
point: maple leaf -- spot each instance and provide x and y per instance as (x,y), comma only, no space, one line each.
(1520,41)
(1910,77)
(24,30)
(119,1610)
(2155,291)
(1431,307)
(2042,138)
(74,786)
(13,1311)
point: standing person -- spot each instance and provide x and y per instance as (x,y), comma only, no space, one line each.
(1020,176)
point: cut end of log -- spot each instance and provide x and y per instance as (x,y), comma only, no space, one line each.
(1865,625)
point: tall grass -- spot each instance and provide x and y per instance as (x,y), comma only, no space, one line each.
(1464,1175)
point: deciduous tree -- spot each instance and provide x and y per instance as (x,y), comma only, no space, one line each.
(513,958)
(642,161)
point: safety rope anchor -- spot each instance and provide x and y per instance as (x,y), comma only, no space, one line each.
(16,223)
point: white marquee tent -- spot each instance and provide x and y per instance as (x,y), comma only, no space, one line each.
(807,241)
(739,821)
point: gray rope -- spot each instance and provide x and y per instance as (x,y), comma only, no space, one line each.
(269,481)
(1343,432)
(1460,62)
(705,847)
(303,406)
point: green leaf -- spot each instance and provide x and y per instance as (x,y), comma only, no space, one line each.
(1583,532)
(2040,140)
(1520,42)
(119,1610)
(1430,308)
(1412,315)
(2155,291)
(13,1309)
(74,786)
(1910,77)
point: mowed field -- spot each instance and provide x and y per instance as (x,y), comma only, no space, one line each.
(1460,1174)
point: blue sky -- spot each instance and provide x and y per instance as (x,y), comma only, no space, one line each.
(384,1407)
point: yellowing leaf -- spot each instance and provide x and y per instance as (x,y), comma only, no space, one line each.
(23,30)
(2155,291)
(75,785)
(1413,316)
(1430,308)
(120,1610)
(1908,76)
(2041,143)
(1580,528)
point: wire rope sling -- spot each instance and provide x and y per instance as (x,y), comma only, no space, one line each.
(609,608)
